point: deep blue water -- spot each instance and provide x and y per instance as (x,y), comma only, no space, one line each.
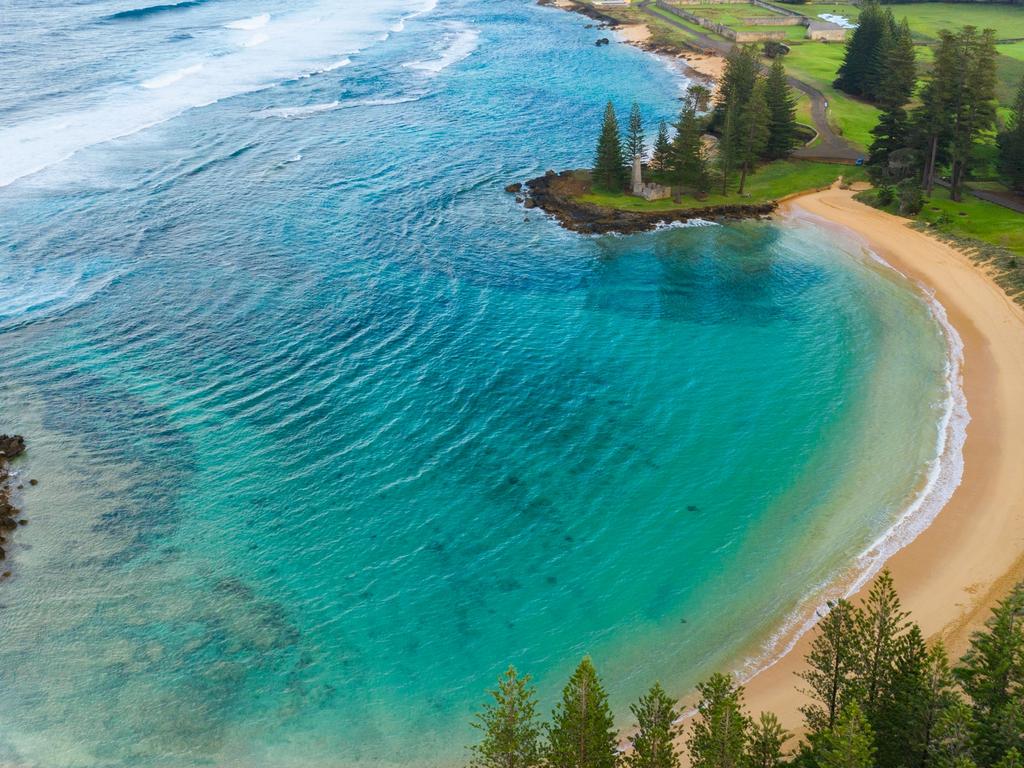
(329,430)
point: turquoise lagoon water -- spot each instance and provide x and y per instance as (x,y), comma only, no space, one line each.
(329,431)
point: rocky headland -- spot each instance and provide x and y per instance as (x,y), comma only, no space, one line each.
(558,194)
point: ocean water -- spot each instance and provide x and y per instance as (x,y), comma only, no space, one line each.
(328,430)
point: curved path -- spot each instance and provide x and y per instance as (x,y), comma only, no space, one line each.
(832,147)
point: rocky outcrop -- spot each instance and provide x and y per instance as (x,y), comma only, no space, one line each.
(558,195)
(11,446)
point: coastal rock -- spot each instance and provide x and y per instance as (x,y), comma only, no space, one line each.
(514,188)
(12,446)
(602,41)
(558,195)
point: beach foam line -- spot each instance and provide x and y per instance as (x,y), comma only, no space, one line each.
(944,475)
(291,113)
(303,42)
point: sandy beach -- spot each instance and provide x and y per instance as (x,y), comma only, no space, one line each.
(971,555)
(973,552)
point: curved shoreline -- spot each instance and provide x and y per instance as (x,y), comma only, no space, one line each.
(960,562)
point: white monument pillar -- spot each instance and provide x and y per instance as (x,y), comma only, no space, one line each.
(638,176)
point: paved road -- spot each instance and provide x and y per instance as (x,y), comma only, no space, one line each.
(1007,199)
(832,147)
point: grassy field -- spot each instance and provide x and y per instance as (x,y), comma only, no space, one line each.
(975,218)
(731,14)
(816,63)
(771,182)
(989,234)
(971,219)
(672,32)
(926,19)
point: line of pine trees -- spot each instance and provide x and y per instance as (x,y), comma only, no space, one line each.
(953,109)
(754,117)
(879,696)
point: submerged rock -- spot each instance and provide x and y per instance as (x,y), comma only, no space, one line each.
(12,446)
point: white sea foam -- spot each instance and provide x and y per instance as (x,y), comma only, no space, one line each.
(688,224)
(299,43)
(254,22)
(944,474)
(462,41)
(255,40)
(337,65)
(291,113)
(28,298)
(170,78)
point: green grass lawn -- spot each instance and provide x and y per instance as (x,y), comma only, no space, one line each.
(989,234)
(975,218)
(816,63)
(770,182)
(731,14)
(926,19)
(689,25)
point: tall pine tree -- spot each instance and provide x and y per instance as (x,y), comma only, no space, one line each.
(922,687)
(894,91)
(954,735)
(721,727)
(688,158)
(609,165)
(992,674)
(832,662)
(661,160)
(932,125)
(753,130)
(974,106)
(880,627)
(859,74)
(656,731)
(849,744)
(737,84)
(509,726)
(767,738)
(1011,144)
(635,140)
(582,731)
(782,137)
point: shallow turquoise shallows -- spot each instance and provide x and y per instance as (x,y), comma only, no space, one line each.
(329,430)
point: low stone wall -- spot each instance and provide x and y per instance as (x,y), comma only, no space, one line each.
(721,29)
(837,35)
(717,2)
(746,36)
(773,21)
(758,37)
